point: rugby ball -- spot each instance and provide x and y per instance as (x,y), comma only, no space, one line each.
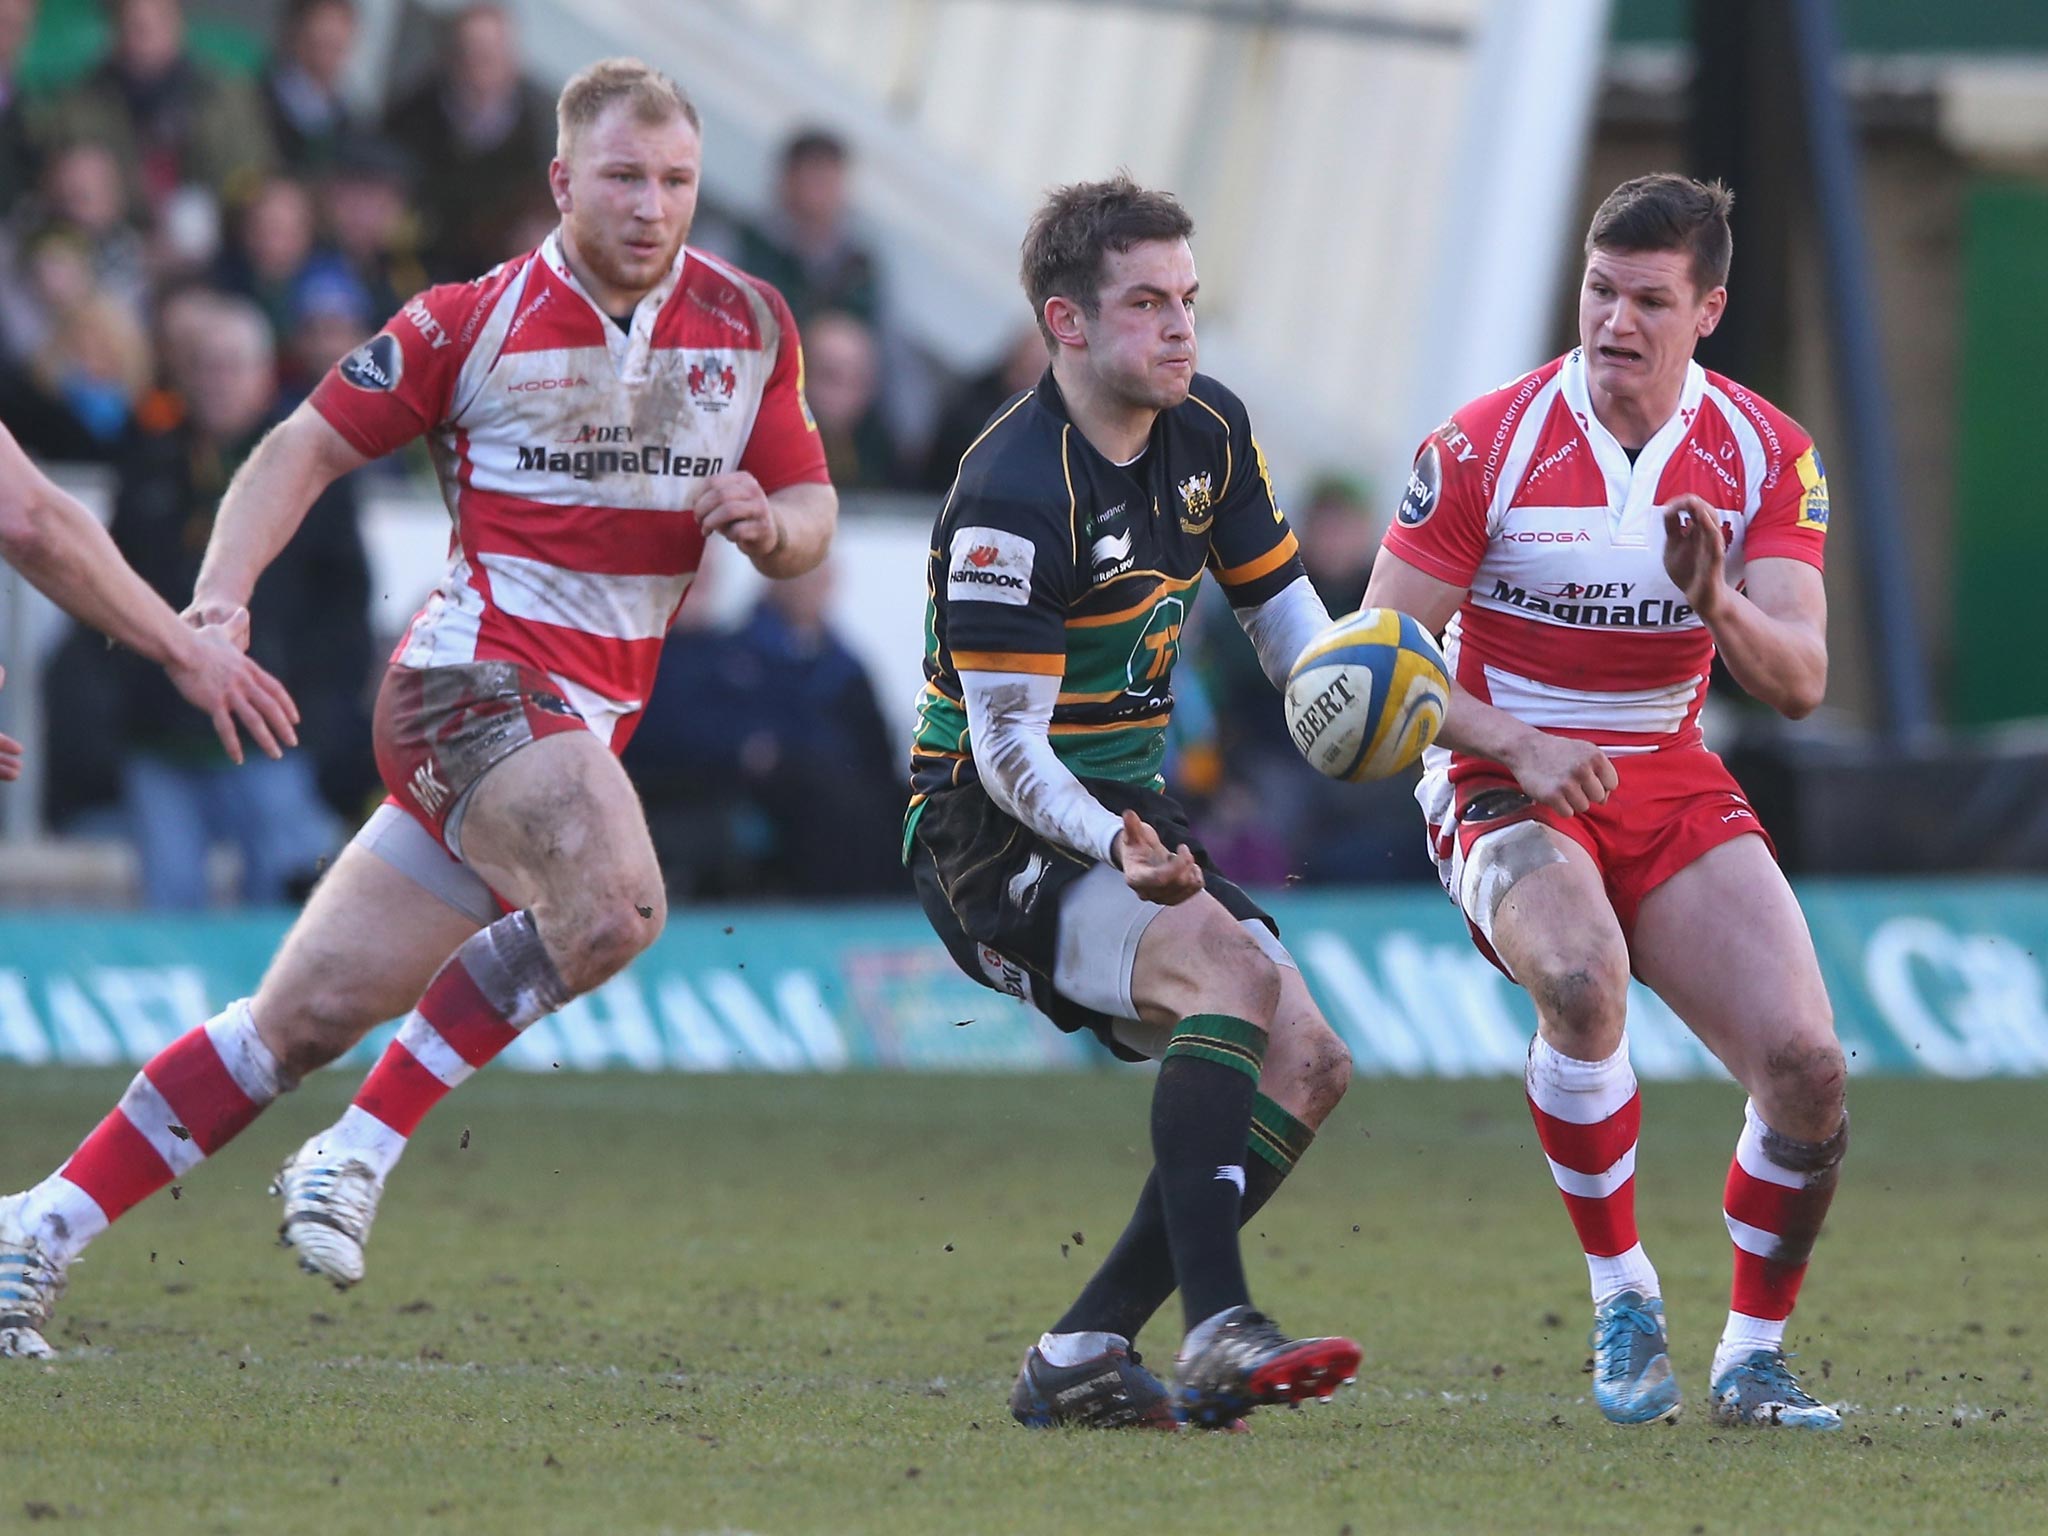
(1367,695)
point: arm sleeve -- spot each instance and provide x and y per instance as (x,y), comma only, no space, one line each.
(784,448)
(1007,717)
(1440,526)
(1791,521)
(399,384)
(1281,627)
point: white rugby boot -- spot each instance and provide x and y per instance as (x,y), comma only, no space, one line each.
(31,1280)
(330,1199)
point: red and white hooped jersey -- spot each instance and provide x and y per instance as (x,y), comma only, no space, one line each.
(570,454)
(1569,621)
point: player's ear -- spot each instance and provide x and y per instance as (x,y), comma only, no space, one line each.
(558,184)
(1711,309)
(1063,317)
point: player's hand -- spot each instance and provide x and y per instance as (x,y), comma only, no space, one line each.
(231,619)
(10,751)
(1155,874)
(230,689)
(735,505)
(1568,776)
(1694,557)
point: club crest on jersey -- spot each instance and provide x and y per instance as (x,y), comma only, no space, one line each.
(1197,502)
(712,382)
(1425,484)
(1813,502)
(377,365)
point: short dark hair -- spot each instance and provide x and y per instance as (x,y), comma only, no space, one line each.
(1070,237)
(1669,212)
(296,12)
(813,144)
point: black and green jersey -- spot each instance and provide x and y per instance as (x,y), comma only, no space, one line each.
(1049,559)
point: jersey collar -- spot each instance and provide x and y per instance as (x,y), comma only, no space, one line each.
(632,350)
(1631,488)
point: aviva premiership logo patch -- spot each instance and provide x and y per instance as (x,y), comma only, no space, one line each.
(1813,501)
(1197,503)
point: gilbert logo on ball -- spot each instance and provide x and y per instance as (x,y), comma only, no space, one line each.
(1367,695)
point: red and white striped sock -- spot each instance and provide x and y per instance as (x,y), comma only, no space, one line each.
(1588,1114)
(497,983)
(1778,1193)
(195,1096)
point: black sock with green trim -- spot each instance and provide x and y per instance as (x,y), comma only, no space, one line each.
(1137,1276)
(1201,1124)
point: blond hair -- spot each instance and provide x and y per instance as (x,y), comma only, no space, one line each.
(655,98)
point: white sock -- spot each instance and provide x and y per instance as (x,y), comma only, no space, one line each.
(360,1134)
(62,1217)
(1073,1348)
(1630,1271)
(1743,1337)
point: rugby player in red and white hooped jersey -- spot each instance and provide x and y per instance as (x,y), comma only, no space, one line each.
(598,410)
(1588,538)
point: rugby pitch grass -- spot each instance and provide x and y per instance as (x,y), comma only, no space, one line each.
(725,1304)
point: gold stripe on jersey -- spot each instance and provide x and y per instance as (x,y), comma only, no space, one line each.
(1166,588)
(1229,463)
(1252,570)
(1037,663)
(1067,728)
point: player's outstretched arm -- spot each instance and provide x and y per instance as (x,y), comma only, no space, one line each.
(785,533)
(65,554)
(1565,774)
(1773,637)
(263,507)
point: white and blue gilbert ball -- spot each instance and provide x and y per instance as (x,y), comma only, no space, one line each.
(1367,695)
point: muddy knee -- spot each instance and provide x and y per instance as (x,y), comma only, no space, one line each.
(1583,1001)
(1804,1088)
(1315,1076)
(593,942)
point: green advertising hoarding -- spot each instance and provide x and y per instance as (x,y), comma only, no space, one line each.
(1945,978)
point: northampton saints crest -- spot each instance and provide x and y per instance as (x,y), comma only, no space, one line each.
(1197,503)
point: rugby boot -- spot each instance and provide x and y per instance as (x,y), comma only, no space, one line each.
(1112,1390)
(330,1199)
(1763,1390)
(1240,1360)
(30,1283)
(1632,1379)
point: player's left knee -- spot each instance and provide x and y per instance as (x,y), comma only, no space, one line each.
(1316,1069)
(1808,1084)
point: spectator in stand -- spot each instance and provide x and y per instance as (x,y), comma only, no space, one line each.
(369,223)
(841,375)
(172,122)
(270,250)
(309,623)
(480,135)
(17,148)
(806,246)
(331,316)
(82,205)
(78,395)
(302,87)
(968,408)
(1340,538)
(818,771)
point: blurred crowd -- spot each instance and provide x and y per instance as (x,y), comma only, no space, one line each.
(186,246)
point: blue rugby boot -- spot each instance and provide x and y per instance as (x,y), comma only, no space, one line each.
(1632,1380)
(1763,1390)
(1239,1360)
(1112,1390)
